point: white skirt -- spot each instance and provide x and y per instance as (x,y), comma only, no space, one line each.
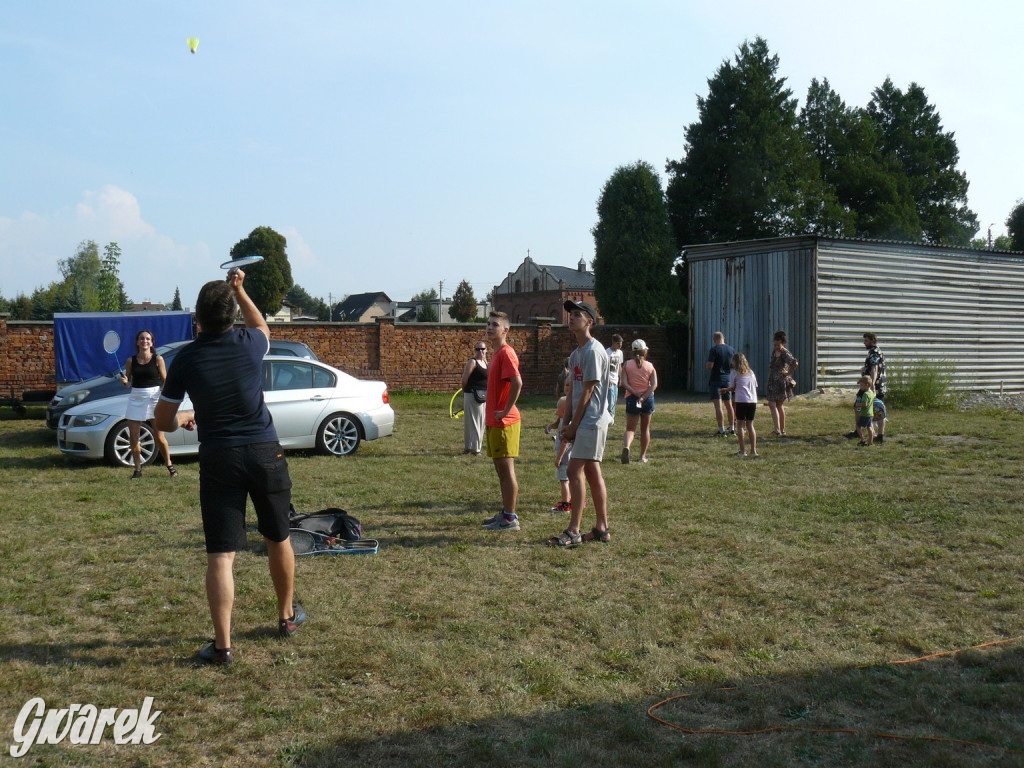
(142,403)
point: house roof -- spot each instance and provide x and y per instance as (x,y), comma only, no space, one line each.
(356,305)
(574,278)
(698,251)
(550,276)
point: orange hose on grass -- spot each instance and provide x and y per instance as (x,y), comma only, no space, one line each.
(850,731)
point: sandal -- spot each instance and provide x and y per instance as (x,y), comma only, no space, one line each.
(595,535)
(172,470)
(566,540)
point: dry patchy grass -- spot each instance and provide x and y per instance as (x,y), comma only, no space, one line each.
(815,565)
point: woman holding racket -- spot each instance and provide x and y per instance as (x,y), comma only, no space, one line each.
(474,394)
(145,373)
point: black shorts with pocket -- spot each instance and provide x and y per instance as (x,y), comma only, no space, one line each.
(227,478)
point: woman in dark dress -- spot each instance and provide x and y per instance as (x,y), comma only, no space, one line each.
(779,387)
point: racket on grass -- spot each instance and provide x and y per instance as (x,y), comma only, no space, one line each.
(303,542)
(311,543)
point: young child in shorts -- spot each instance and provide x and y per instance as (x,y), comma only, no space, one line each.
(743,383)
(880,417)
(561,449)
(864,407)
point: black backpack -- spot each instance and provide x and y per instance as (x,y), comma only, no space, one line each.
(329,522)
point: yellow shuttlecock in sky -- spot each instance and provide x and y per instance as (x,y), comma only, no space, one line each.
(193,43)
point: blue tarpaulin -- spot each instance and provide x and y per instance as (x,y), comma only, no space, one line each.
(78,339)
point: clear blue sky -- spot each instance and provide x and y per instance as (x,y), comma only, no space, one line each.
(400,144)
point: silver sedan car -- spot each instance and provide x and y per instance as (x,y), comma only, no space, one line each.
(313,405)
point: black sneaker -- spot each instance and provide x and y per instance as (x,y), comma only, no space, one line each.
(211,654)
(288,627)
(851,435)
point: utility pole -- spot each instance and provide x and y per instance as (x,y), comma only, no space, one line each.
(440,298)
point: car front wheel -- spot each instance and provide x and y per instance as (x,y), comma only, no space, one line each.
(338,435)
(118,448)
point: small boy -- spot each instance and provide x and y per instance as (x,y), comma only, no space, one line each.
(561,449)
(881,418)
(863,406)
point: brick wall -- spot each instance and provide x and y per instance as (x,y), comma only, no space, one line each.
(420,356)
(26,357)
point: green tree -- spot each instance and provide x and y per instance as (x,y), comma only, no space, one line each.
(79,291)
(268,281)
(46,301)
(871,197)
(110,289)
(634,249)
(298,297)
(1015,227)
(426,312)
(463,308)
(746,172)
(176,303)
(999,242)
(21,307)
(911,135)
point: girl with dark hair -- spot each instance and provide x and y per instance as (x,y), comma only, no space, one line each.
(145,373)
(780,383)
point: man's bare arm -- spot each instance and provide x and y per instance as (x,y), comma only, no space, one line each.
(251,316)
(168,419)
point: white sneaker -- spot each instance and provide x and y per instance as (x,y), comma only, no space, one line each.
(504,524)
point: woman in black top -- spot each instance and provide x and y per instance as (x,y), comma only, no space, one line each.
(474,392)
(145,373)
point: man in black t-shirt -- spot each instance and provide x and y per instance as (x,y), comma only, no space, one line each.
(239,453)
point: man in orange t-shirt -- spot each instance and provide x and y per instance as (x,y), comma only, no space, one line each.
(501,431)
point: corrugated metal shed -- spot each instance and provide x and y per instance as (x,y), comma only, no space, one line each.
(957,305)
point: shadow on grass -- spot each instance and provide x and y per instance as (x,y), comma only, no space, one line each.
(94,653)
(40,437)
(40,463)
(961,710)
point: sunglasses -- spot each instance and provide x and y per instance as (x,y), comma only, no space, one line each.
(481,349)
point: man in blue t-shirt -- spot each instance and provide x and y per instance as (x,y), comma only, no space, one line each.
(239,453)
(719,364)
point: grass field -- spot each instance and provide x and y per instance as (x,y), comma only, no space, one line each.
(794,580)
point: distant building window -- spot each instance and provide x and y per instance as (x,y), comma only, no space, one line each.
(519,286)
(536,283)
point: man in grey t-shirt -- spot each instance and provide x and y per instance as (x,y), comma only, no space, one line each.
(587,429)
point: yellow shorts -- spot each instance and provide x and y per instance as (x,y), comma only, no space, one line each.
(502,442)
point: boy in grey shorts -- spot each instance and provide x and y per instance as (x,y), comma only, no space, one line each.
(587,429)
